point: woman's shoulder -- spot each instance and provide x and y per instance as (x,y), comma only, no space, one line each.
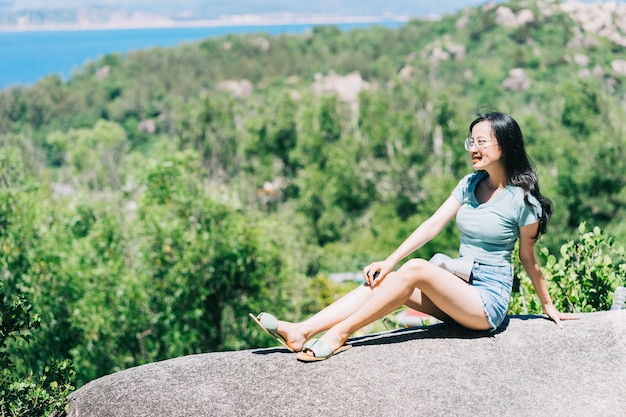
(472,178)
(465,188)
(523,199)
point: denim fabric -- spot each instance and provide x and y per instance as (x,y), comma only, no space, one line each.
(494,283)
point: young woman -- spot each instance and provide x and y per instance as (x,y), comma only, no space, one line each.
(494,206)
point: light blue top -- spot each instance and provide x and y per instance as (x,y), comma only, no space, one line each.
(489,230)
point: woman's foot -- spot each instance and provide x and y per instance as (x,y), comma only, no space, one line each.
(287,334)
(292,335)
(332,342)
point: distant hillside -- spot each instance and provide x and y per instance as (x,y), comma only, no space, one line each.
(63,14)
(102,14)
(211,10)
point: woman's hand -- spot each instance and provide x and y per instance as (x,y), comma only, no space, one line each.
(376,272)
(557,316)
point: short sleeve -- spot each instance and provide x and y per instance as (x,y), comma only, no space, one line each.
(461,190)
(529,213)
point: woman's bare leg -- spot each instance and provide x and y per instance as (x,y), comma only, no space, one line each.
(351,302)
(296,334)
(420,302)
(448,293)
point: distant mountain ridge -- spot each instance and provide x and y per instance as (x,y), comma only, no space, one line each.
(20,15)
(185,9)
(100,14)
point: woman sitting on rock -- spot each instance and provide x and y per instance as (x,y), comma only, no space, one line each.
(494,206)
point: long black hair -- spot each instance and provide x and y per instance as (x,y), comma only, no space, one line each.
(518,165)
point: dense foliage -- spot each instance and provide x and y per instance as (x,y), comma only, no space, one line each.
(153,200)
(27,395)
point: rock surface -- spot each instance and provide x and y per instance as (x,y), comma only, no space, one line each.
(529,367)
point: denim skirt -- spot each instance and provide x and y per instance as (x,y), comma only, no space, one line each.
(494,284)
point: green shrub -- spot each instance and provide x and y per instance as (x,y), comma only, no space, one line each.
(582,279)
(28,395)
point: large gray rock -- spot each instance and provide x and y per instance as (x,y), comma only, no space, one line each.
(528,368)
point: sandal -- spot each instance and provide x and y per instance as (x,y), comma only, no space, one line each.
(269,324)
(318,351)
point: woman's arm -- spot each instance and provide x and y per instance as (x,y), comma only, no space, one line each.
(528,238)
(425,232)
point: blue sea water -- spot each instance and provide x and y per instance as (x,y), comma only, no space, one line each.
(26,57)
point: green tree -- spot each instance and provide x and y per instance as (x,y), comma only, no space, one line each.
(94,156)
(582,108)
(206,264)
(207,125)
(582,278)
(27,393)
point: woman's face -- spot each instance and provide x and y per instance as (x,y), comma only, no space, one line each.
(485,149)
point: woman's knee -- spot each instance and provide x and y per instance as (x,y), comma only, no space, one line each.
(414,270)
(415,265)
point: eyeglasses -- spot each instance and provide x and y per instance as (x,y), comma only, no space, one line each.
(480,143)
